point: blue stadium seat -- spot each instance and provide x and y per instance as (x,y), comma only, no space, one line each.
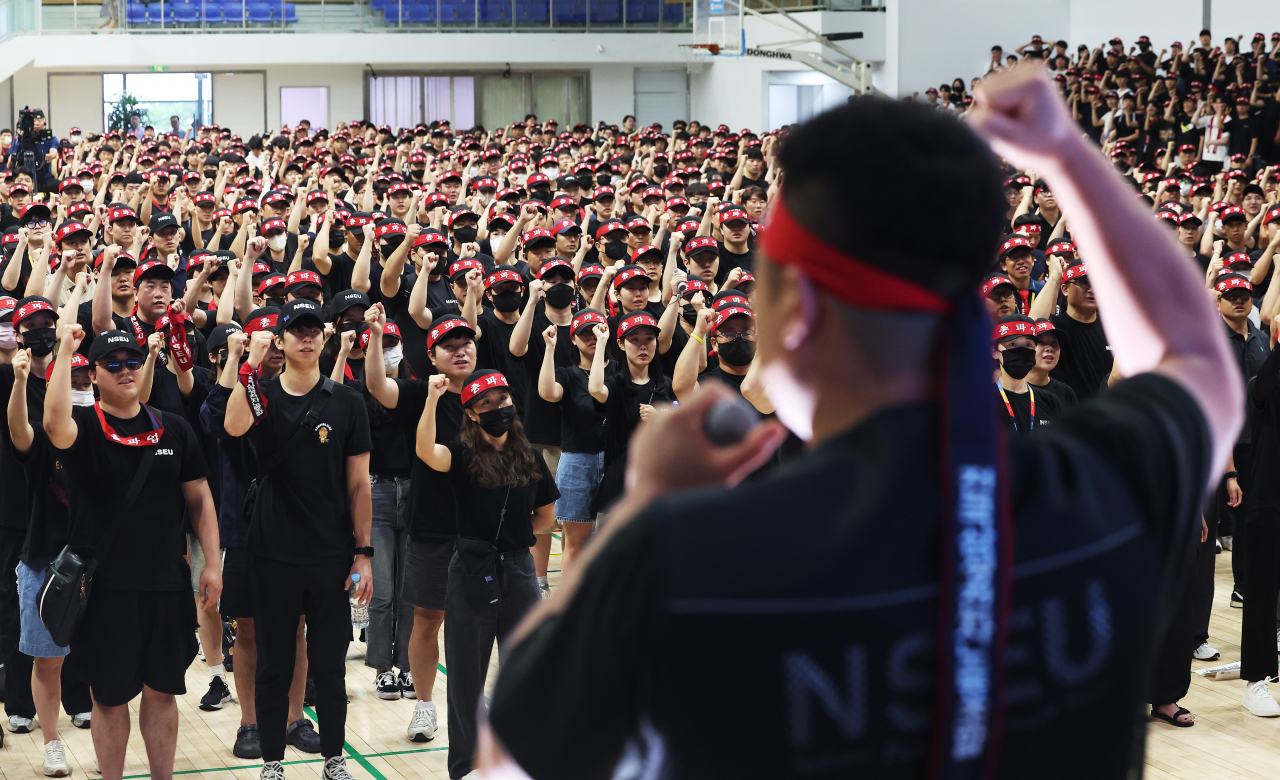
(233,11)
(290,14)
(531,11)
(185,13)
(673,12)
(258,12)
(460,12)
(421,13)
(137,14)
(642,10)
(569,11)
(606,11)
(495,11)
(210,11)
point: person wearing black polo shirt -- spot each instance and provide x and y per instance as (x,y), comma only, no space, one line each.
(1085,363)
(1014,345)
(505,494)
(431,510)
(582,428)
(137,634)
(858,672)
(310,518)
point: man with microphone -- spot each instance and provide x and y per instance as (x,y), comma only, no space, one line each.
(703,617)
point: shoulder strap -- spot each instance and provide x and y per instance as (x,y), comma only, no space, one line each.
(313,414)
(135,487)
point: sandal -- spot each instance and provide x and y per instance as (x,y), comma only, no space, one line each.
(1173,721)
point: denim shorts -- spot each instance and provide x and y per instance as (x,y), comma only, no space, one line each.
(35,639)
(577,478)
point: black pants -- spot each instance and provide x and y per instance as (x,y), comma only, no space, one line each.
(283,593)
(1233,517)
(468,642)
(17,665)
(1169,678)
(1201,585)
(1258,632)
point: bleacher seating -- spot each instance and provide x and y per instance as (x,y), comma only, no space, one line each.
(194,13)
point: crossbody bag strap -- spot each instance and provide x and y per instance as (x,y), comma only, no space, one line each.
(501,516)
(135,487)
(313,413)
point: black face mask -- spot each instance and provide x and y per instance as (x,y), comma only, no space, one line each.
(417,174)
(603,179)
(559,295)
(542,196)
(1018,361)
(277,302)
(660,171)
(496,422)
(388,247)
(39,340)
(337,239)
(358,327)
(615,250)
(738,352)
(506,302)
(689,313)
(465,235)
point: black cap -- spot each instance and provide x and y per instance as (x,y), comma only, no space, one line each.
(218,338)
(345,300)
(162,220)
(567,181)
(297,311)
(106,343)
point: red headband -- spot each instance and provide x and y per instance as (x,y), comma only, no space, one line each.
(854,281)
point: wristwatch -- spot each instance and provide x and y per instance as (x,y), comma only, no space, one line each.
(365,551)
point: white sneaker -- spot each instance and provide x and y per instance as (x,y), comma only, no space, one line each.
(336,769)
(422,728)
(55,759)
(387,686)
(1206,652)
(1225,542)
(272,770)
(82,720)
(20,725)
(1278,640)
(1259,701)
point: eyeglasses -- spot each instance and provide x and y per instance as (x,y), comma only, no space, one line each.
(38,223)
(1082,284)
(749,335)
(116,366)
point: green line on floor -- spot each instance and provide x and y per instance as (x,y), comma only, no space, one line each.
(351,752)
(443,670)
(290,763)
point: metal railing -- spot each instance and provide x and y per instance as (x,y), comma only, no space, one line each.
(178,16)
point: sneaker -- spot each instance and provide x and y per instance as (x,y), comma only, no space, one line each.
(55,759)
(82,720)
(20,725)
(1278,640)
(1259,701)
(272,770)
(1205,652)
(248,742)
(544,589)
(1237,600)
(302,735)
(1225,542)
(387,686)
(218,695)
(336,769)
(422,728)
(405,681)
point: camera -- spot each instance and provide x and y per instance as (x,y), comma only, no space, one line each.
(29,139)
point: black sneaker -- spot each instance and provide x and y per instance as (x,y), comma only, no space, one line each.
(406,684)
(248,742)
(387,686)
(302,735)
(1237,600)
(309,693)
(218,695)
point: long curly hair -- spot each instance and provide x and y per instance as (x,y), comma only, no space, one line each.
(513,465)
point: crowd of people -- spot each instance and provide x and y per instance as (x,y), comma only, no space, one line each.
(199,401)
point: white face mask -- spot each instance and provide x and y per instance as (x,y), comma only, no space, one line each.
(75,139)
(278,241)
(8,340)
(82,398)
(551,172)
(391,357)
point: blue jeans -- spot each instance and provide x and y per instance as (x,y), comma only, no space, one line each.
(390,617)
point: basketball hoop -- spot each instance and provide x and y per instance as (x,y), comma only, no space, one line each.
(695,55)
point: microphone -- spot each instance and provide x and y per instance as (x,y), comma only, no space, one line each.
(729,421)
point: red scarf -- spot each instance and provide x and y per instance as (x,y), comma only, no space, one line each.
(145,440)
(178,346)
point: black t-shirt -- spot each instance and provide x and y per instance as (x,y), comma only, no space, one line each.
(1107,508)
(1243,130)
(542,418)
(302,513)
(432,510)
(148,551)
(1066,396)
(48,496)
(480,509)
(731,260)
(622,414)
(1085,362)
(14,513)
(493,350)
(165,393)
(1048,408)
(582,424)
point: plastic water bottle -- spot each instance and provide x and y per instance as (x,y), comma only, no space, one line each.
(359,612)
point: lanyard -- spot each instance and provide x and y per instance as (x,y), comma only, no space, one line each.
(1009,406)
(153,437)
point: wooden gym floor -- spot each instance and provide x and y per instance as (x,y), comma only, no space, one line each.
(1226,743)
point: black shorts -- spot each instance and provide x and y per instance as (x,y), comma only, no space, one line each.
(237,596)
(129,639)
(426,574)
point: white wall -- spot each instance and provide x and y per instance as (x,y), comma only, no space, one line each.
(1094,22)
(75,100)
(1236,17)
(239,102)
(612,92)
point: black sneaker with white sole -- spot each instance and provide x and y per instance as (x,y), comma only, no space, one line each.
(405,681)
(1237,600)
(302,735)
(218,695)
(387,686)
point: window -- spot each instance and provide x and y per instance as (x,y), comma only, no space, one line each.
(310,103)
(161,96)
(404,101)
